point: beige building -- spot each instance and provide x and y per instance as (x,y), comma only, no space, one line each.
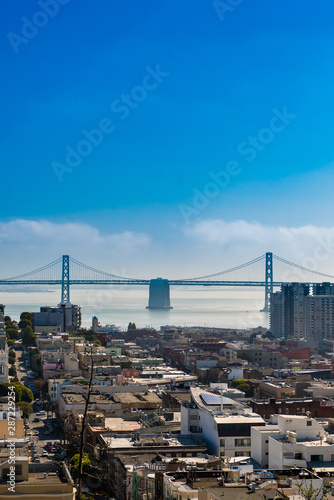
(276,391)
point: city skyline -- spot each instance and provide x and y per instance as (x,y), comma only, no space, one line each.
(155,140)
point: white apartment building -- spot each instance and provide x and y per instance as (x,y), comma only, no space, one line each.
(224,424)
(294,441)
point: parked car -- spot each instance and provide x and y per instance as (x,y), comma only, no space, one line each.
(36,419)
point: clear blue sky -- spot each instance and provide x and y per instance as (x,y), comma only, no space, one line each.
(221,80)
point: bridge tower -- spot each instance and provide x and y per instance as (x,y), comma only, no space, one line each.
(65,281)
(159,297)
(268,282)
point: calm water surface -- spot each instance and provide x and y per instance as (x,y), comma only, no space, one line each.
(223,307)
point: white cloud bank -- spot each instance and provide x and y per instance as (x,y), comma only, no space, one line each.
(310,246)
(43,231)
(24,243)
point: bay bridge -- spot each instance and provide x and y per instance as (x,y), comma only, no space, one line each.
(66,271)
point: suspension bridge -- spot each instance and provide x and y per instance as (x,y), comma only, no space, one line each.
(66,271)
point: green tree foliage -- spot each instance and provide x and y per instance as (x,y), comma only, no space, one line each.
(247,389)
(86,463)
(237,381)
(12,371)
(10,342)
(241,385)
(28,337)
(11,356)
(246,356)
(252,337)
(4,391)
(26,408)
(27,316)
(12,332)
(132,326)
(24,323)
(268,335)
(36,361)
(125,364)
(27,394)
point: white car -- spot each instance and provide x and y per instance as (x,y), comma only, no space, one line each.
(45,453)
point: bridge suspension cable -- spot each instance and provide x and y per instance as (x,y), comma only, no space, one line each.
(97,271)
(301,267)
(241,266)
(31,273)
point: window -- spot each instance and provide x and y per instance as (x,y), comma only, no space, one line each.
(298,456)
(243,453)
(222,443)
(317,458)
(242,442)
(309,423)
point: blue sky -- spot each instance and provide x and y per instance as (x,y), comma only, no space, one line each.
(143,187)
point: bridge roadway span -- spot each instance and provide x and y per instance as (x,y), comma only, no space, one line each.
(139,282)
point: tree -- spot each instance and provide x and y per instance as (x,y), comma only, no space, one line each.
(24,323)
(75,462)
(307,490)
(26,408)
(27,394)
(28,337)
(12,333)
(17,389)
(246,356)
(41,384)
(237,381)
(10,342)
(27,316)
(36,361)
(82,434)
(241,385)
(11,356)
(132,326)
(268,335)
(12,371)
(252,337)
(247,389)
